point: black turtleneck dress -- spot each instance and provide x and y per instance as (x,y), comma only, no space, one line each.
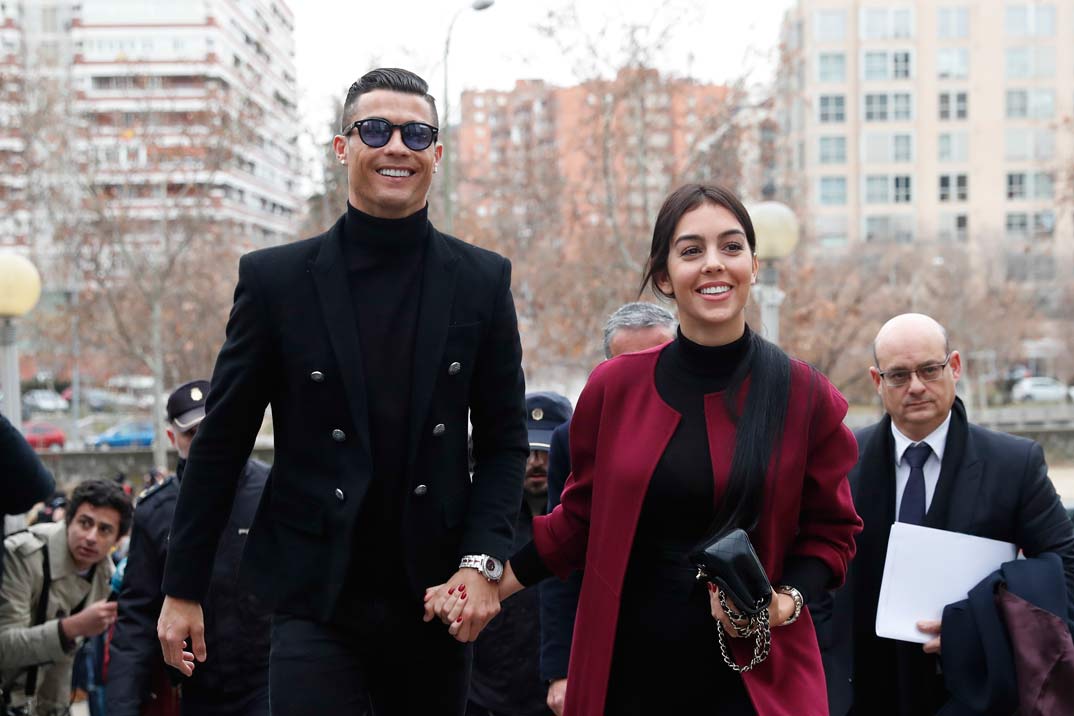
(667,655)
(385,259)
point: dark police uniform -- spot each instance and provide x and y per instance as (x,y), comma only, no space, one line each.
(234,679)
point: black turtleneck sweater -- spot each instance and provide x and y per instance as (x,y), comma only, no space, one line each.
(385,260)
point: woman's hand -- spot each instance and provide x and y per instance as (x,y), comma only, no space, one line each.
(780,609)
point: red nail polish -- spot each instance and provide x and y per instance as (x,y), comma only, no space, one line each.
(451,591)
(459,620)
(462,587)
(463,596)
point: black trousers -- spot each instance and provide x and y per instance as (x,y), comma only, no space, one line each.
(409,668)
(255,703)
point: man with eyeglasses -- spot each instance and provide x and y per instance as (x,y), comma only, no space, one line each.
(374,343)
(235,682)
(924,463)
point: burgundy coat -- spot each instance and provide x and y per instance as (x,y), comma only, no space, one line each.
(620,429)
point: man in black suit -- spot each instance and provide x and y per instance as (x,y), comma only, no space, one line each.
(373,343)
(24,480)
(925,463)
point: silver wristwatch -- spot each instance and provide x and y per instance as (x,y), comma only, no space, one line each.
(489,567)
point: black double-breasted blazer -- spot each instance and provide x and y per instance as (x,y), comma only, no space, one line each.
(292,343)
(991,485)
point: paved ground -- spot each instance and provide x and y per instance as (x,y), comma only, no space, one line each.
(1063,477)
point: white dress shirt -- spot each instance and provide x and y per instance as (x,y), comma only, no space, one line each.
(936,440)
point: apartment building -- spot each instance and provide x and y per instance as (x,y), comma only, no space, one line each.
(161,108)
(935,121)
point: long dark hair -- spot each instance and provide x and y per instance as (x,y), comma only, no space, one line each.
(759,427)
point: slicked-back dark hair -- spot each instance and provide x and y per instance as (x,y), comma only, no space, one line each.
(386,78)
(759,425)
(102,493)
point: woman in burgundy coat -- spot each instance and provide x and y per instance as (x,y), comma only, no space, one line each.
(715,430)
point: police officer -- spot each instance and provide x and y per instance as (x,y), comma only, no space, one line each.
(235,680)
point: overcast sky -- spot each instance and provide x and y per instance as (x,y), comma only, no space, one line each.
(337,41)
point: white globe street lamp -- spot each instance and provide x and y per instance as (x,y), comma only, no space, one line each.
(776,228)
(20,287)
(448,184)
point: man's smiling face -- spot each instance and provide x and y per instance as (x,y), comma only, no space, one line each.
(390,182)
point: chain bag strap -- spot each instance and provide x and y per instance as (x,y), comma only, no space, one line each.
(757,626)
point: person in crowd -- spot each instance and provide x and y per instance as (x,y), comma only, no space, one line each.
(718,429)
(925,463)
(235,681)
(24,480)
(633,327)
(373,343)
(54,595)
(506,675)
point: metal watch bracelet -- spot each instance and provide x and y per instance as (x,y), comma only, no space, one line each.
(799,602)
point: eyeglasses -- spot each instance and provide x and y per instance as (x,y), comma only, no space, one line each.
(926,374)
(376,132)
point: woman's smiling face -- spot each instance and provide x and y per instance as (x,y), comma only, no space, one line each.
(709,272)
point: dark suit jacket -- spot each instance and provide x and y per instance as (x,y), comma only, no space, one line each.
(292,342)
(559,598)
(24,480)
(991,485)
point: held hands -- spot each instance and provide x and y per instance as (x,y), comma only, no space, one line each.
(181,619)
(466,602)
(780,609)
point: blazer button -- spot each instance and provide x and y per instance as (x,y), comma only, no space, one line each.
(439,430)
(339,494)
(317,376)
(420,490)
(454,368)
(338,435)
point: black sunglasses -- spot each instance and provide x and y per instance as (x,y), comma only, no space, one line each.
(376,132)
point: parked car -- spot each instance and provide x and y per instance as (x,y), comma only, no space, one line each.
(131,433)
(43,435)
(1039,389)
(43,401)
(96,399)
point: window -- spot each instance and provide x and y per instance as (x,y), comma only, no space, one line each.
(831,230)
(1044,223)
(900,65)
(954,105)
(880,23)
(832,67)
(1035,61)
(902,148)
(954,227)
(877,189)
(876,107)
(953,146)
(1030,20)
(953,63)
(903,195)
(1042,103)
(954,187)
(1024,143)
(833,150)
(876,65)
(889,228)
(901,107)
(1043,185)
(1018,225)
(954,22)
(830,25)
(832,108)
(1017,104)
(1016,185)
(833,191)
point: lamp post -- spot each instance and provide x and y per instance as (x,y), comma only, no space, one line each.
(776,228)
(20,287)
(448,184)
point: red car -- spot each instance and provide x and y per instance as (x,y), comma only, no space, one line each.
(43,435)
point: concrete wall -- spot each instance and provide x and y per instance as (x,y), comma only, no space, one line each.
(72,467)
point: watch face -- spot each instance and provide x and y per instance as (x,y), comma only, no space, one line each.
(493,568)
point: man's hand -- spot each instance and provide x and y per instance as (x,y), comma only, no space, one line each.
(94,619)
(557,690)
(181,619)
(930,626)
(467,602)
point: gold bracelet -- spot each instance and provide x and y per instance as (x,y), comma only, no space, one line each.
(799,602)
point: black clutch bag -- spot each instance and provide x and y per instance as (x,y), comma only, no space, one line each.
(729,562)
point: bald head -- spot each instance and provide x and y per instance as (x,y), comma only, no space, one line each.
(908,326)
